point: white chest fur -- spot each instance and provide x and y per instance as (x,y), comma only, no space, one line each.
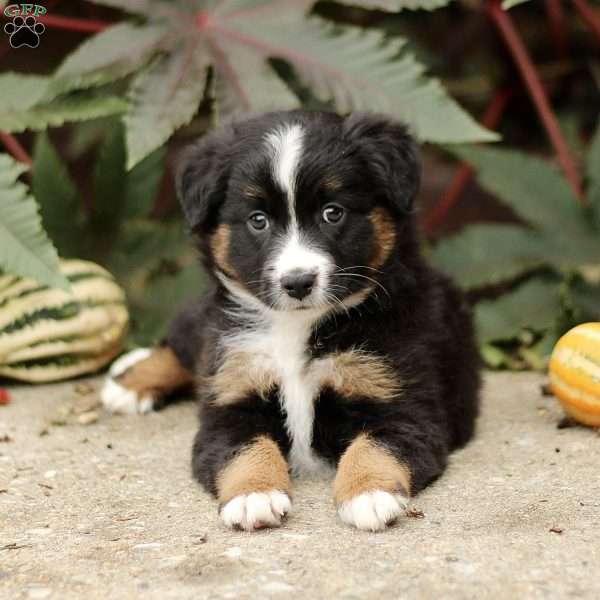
(279,344)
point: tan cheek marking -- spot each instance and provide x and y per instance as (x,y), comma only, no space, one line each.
(259,467)
(240,374)
(219,245)
(160,373)
(359,374)
(384,236)
(365,467)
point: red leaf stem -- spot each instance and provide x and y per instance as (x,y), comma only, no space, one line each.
(454,191)
(503,21)
(12,144)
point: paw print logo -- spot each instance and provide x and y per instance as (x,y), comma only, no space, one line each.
(24,32)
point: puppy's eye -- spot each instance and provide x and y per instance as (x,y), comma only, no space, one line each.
(258,221)
(333,214)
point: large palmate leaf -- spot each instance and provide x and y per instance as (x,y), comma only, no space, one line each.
(163,98)
(62,110)
(25,249)
(355,68)
(395,5)
(535,305)
(57,197)
(351,67)
(108,55)
(538,194)
(483,255)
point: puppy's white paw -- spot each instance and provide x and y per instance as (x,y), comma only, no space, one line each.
(115,397)
(373,511)
(256,510)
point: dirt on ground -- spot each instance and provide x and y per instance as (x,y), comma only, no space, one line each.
(94,506)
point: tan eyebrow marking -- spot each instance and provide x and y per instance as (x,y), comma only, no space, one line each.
(254,191)
(332,183)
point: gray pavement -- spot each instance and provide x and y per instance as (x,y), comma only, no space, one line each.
(101,507)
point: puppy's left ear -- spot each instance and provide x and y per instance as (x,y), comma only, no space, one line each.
(202,177)
(390,153)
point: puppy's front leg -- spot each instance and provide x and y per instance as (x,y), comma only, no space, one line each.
(237,459)
(372,486)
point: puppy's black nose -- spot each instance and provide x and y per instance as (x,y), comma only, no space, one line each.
(298,284)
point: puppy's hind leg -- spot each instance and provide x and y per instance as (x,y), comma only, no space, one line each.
(139,380)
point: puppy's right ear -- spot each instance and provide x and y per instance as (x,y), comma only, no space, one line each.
(202,177)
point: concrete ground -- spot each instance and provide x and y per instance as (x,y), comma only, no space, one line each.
(100,507)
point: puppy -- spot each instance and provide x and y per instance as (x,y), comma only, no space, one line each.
(327,340)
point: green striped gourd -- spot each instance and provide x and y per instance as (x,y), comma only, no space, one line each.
(47,334)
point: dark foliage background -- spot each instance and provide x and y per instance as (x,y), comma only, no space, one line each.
(522,236)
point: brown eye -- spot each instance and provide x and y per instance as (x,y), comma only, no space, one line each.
(258,221)
(333,214)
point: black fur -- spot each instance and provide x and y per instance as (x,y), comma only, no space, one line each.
(415,317)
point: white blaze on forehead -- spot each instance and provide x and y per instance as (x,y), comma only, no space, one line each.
(285,145)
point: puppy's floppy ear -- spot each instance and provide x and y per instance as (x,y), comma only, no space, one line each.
(202,176)
(390,152)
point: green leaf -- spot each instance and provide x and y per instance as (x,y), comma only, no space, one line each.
(143,183)
(245,81)
(508,4)
(109,182)
(481,255)
(60,111)
(537,193)
(57,197)
(20,92)
(535,305)
(153,310)
(585,298)
(108,55)
(358,69)
(143,243)
(396,5)
(163,98)
(25,249)
(593,176)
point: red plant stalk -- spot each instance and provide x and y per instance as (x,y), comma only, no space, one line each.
(530,76)
(72,24)
(491,118)
(11,143)
(589,16)
(556,19)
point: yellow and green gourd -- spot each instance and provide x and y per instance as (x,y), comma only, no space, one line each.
(47,334)
(575,373)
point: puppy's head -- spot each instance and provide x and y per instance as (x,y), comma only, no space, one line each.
(301,210)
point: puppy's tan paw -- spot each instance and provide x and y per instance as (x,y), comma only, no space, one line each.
(256,510)
(373,511)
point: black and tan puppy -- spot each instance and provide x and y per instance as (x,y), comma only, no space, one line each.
(327,339)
